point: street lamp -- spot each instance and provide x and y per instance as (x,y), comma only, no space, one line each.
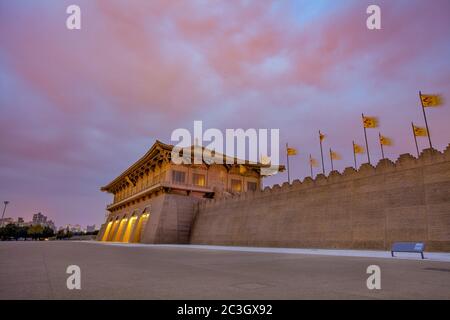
(4,209)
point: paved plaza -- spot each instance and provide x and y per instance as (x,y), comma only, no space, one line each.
(37,270)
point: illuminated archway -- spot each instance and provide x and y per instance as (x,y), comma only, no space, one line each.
(113,231)
(107,231)
(141,224)
(119,233)
(129,229)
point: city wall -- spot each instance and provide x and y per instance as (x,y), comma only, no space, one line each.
(369,208)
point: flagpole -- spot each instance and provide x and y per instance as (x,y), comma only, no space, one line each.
(321,152)
(287,158)
(331,159)
(354,154)
(381,145)
(365,137)
(415,139)
(310,165)
(425,117)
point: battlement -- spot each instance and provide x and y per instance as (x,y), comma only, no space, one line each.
(403,162)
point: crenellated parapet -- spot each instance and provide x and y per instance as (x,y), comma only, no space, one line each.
(349,173)
(430,156)
(447,153)
(385,166)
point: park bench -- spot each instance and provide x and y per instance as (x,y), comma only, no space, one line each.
(414,247)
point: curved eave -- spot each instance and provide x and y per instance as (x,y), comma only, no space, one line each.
(150,153)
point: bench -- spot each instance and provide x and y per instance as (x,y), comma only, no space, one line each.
(414,247)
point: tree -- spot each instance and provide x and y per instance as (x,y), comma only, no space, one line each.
(2,233)
(69,234)
(9,231)
(60,234)
(48,232)
(35,231)
(13,231)
(22,232)
(64,234)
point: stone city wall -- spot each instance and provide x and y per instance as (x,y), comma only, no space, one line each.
(369,208)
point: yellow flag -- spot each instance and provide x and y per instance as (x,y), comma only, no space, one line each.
(358,149)
(291,151)
(431,100)
(321,136)
(385,141)
(420,132)
(370,122)
(335,155)
(313,162)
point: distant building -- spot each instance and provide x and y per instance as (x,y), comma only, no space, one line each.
(51,225)
(90,228)
(5,221)
(39,218)
(73,228)
(21,222)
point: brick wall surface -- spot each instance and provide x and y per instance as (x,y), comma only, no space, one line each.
(368,208)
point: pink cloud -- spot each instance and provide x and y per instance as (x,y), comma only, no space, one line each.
(138,70)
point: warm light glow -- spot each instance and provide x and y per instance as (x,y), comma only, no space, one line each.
(199,179)
(113,230)
(119,234)
(140,226)
(236,185)
(129,229)
(108,229)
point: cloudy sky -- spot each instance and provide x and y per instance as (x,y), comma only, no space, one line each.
(78,107)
